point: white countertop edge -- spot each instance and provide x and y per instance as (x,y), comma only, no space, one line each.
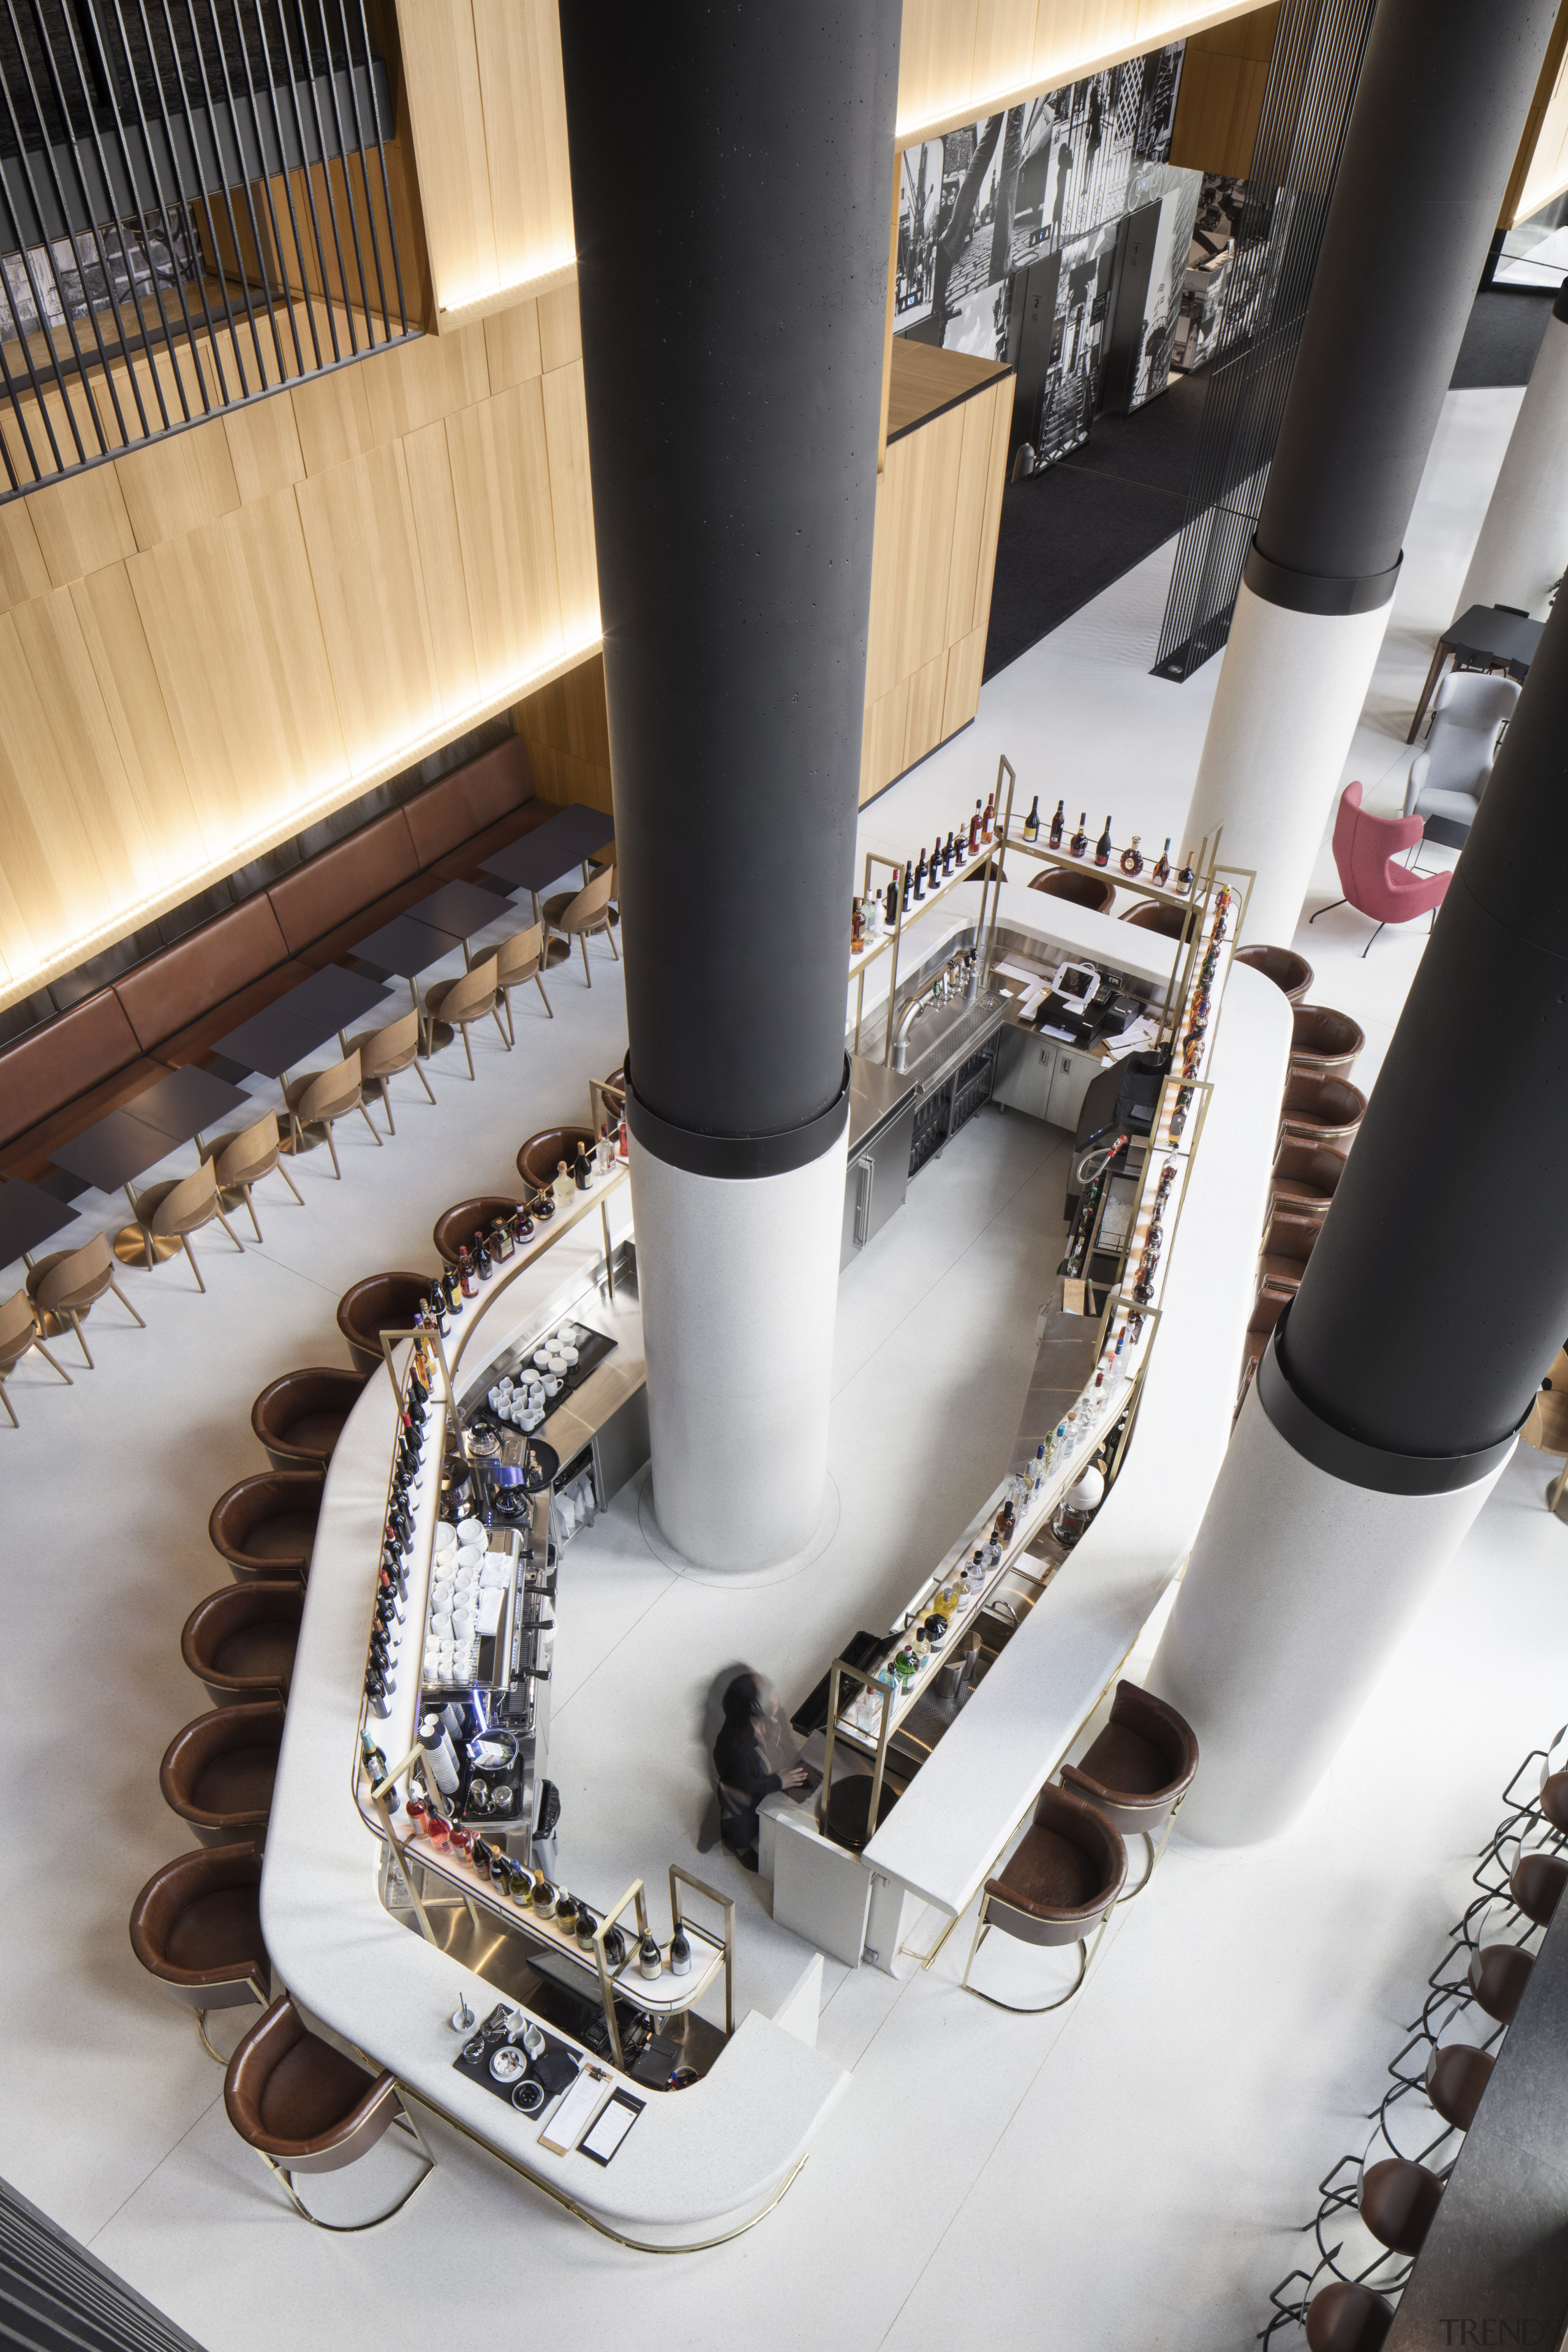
(1051,922)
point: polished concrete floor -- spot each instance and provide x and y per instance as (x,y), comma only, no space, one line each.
(1129,2172)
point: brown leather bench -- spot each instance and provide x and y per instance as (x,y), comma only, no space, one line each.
(170,1010)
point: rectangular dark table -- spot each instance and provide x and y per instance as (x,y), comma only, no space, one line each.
(543,856)
(406,945)
(460,908)
(26,1218)
(185,1102)
(271,1042)
(113,1150)
(1483,633)
(1494,2267)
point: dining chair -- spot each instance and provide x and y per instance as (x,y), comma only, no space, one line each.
(518,960)
(462,1002)
(18,1332)
(386,1053)
(574,914)
(68,1283)
(322,1097)
(174,1210)
(244,1159)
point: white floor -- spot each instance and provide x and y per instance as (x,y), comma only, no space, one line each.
(1129,2172)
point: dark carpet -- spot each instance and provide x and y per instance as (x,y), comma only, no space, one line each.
(1068,531)
(1501,339)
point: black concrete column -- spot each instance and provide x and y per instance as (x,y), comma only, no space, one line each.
(1445,88)
(731,176)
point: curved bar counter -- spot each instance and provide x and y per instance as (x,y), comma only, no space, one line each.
(702,2163)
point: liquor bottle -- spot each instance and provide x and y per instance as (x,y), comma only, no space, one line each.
(563,1187)
(1054,839)
(986,822)
(485,1264)
(522,1228)
(857,927)
(581,1176)
(1133,858)
(1185,878)
(1162,874)
(436,1309)
(1079,842)
(375,1762)
(465,1276)
(623,1148)
(890,907)
(974,831)
(920,876)
(454,1293)
(1102,847)
(503,1240)
(1032,822)
(909,883)
(935,876)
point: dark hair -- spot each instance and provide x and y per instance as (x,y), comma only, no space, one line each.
(741,1699)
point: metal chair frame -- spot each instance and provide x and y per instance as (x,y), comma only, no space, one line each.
(404,2119)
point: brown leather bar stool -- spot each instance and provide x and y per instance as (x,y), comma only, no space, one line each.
(1397,2200)
(1082,888)
(539,1158)
(1267,1308)
(1306,1177)
(1150,914)
(1287,1246)
(1291,972)
(848,1820)
(300,1416)
(381,1302)
(217,1773)
(1138,1770)
(68,1283)
(265,1526)
(1324,1044)
(1555,1800)
(1059,1886)
(1498,1975)
(240,1641)
(1535,1884)
(304,2107)
(460,1226)
(196,1926)
(1456,2078)
(1321,1111)
(1347,2317)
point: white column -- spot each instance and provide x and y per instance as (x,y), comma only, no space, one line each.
(739,1283)
(1522,551)
(1291,688)
(1298,1589)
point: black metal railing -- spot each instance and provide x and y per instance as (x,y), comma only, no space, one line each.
(1312,77)
(195,207)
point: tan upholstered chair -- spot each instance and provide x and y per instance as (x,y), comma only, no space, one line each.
(18,1332)
(462,1002)
(386,1053)
(572,915)
(173,1212)
(68,1284)
(324,1098)
(196,1926)
(518,960)
(244,1159)
(304,2107)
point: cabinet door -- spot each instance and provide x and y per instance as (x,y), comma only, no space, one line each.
(1026,1067)
(1074,1073)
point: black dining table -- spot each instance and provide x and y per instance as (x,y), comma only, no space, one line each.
(552,849)
(27,1217)
(116,1149)
(293,1026)
(460,908)
(186,1101)
(1484,637)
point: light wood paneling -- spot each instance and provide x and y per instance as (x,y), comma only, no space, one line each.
(419,384)
(501,472)
(923,728)
(81,524)
(560,327)
(175,483)
(518,44)
(23,572)
(264,448)
(965,661)
(572,501)
(116,644)
(566,729)
(435,503)
(358,522)
(332,416)
(512,346)
(1541,167)
(441,76)
(1220,102)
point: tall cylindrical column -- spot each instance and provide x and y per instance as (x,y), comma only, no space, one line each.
(1522,551)
(732,170)
(1388,1403)
(1444,91)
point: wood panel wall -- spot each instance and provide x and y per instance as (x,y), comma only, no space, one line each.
(1541,167)
(566,727)
(210,640)
(1220,102)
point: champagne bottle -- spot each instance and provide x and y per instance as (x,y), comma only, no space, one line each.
(1102,847)
(1032,822)
(580,1177)
(1058,824)
(1162,874)
(1079,842)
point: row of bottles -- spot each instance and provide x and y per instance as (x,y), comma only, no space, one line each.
(397,1539)
(874,915)
(1131,860)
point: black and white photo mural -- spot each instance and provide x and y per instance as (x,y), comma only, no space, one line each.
(1055,237)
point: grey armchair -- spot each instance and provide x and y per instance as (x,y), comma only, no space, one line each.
(1448,778)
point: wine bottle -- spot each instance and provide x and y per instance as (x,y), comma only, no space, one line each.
(948,855)
(437,1309)
(486,1267)
(1054,839)
(1032,822)
(1185,878)
(857,927)
(987,821)
(580,1177)
(936,860)
(890,909)
(1102,847)
(1162,874)
(465,1276)
(1133,858)
(454,1293)
(909,883)
(1079,842)
(920,876)
(974,831)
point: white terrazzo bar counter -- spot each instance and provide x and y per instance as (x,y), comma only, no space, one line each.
(700,2163)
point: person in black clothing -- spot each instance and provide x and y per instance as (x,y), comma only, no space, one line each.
(741,1764)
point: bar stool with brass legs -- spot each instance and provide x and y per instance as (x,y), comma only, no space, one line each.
(518,960)
(243,1159)
(386,1053)
(240,1641)
(1138,1770)
(1306,1177)
(300,1417)
(1288,1243)
(266,1525)
(1059,1886)
(322,1097)
(69,1282)
(196,1926)
(460,1002)
(173,1212)
(574,914)
(18,1333)
(304,2107)
(217,1773)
